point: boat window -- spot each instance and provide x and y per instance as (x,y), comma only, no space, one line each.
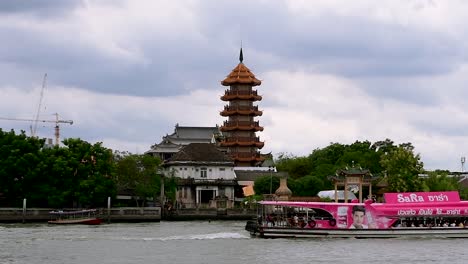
(320,213)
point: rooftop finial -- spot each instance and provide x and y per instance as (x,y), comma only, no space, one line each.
(241,56)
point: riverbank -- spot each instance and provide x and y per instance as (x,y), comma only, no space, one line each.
(132,214)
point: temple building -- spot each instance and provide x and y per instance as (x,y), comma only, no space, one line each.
(183,136)
(205,176)
(239,131)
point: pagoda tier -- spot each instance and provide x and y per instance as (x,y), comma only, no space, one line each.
(241,95)
(242,141)
(241,75)
(247,157)
(241,110)
(240,125)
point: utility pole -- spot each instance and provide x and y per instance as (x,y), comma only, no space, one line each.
(270,169)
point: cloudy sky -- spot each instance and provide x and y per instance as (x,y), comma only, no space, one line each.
(127,71)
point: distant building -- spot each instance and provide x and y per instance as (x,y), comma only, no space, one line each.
(205,176)
(182,136)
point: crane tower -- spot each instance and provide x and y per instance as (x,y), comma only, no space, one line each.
(36,119)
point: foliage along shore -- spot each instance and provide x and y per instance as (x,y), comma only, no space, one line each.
(80,174)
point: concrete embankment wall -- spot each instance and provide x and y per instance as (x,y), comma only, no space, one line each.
(121,214)
(132,214)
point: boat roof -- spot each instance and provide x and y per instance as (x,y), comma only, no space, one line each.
(306,204)
(341,195)
(73,212)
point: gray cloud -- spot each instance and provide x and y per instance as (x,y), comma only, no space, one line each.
(442,127)
(41,8)
(349,46)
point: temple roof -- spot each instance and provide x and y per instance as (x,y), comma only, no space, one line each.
(341,174)
(241,75)
(182,136)
(353,171)
(200,152)
(183,133)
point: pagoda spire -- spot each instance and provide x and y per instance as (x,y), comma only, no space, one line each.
(241,55)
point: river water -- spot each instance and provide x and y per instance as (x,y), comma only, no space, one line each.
(215,242)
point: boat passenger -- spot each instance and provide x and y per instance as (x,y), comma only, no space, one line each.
(270,220)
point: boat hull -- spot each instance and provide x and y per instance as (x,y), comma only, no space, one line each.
(279,232)
(85,221)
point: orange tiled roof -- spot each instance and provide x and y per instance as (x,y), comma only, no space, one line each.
(241,75)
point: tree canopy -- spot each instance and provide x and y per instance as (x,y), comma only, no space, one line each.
(76,175)
(397,165)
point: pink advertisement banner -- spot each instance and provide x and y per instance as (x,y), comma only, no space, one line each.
(421,197)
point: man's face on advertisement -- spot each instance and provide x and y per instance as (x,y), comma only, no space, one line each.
(358,218)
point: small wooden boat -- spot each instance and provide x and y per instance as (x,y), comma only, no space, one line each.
(83,217)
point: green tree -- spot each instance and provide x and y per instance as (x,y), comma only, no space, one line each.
(296,166)
(463,193)
(307,186)
(50,185)
(403,167)
(170,188)
(263,184)
(138,173)
(92,166)
(440,181)
(19,156)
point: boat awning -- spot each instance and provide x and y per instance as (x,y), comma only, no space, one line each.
(331,195)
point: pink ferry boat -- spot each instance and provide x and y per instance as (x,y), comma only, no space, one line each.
(416,214)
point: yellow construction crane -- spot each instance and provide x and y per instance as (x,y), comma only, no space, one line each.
(56,121)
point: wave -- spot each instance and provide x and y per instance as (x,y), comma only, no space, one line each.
(193,237)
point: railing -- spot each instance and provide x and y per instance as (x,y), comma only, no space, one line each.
(248,95)
(241,123)
(230,92)
(132,213)
(240,108)
(242,139)
(192,181)
(113,214)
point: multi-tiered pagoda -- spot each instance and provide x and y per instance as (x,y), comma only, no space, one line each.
(239,137)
